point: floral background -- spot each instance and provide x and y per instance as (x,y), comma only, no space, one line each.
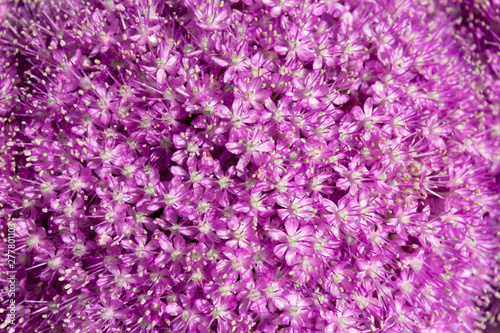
(251,166)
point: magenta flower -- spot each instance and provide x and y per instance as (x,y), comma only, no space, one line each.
(272,166)
(294,242)
(251,145)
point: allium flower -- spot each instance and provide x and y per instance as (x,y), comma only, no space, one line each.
(274,166)
(293,242)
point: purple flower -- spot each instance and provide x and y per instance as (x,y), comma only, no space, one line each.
(295,312)
(294,242)
(269,166)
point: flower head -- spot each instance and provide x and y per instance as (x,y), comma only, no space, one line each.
(250,166)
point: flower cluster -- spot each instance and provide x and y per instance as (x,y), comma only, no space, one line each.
(290,166)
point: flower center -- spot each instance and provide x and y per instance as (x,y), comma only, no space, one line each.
(239,234)
(203,227)
(176,254)
(192,147)
(254,295)
(237,265)
(294,311)
(224,182)
(107,314)
(292,241)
